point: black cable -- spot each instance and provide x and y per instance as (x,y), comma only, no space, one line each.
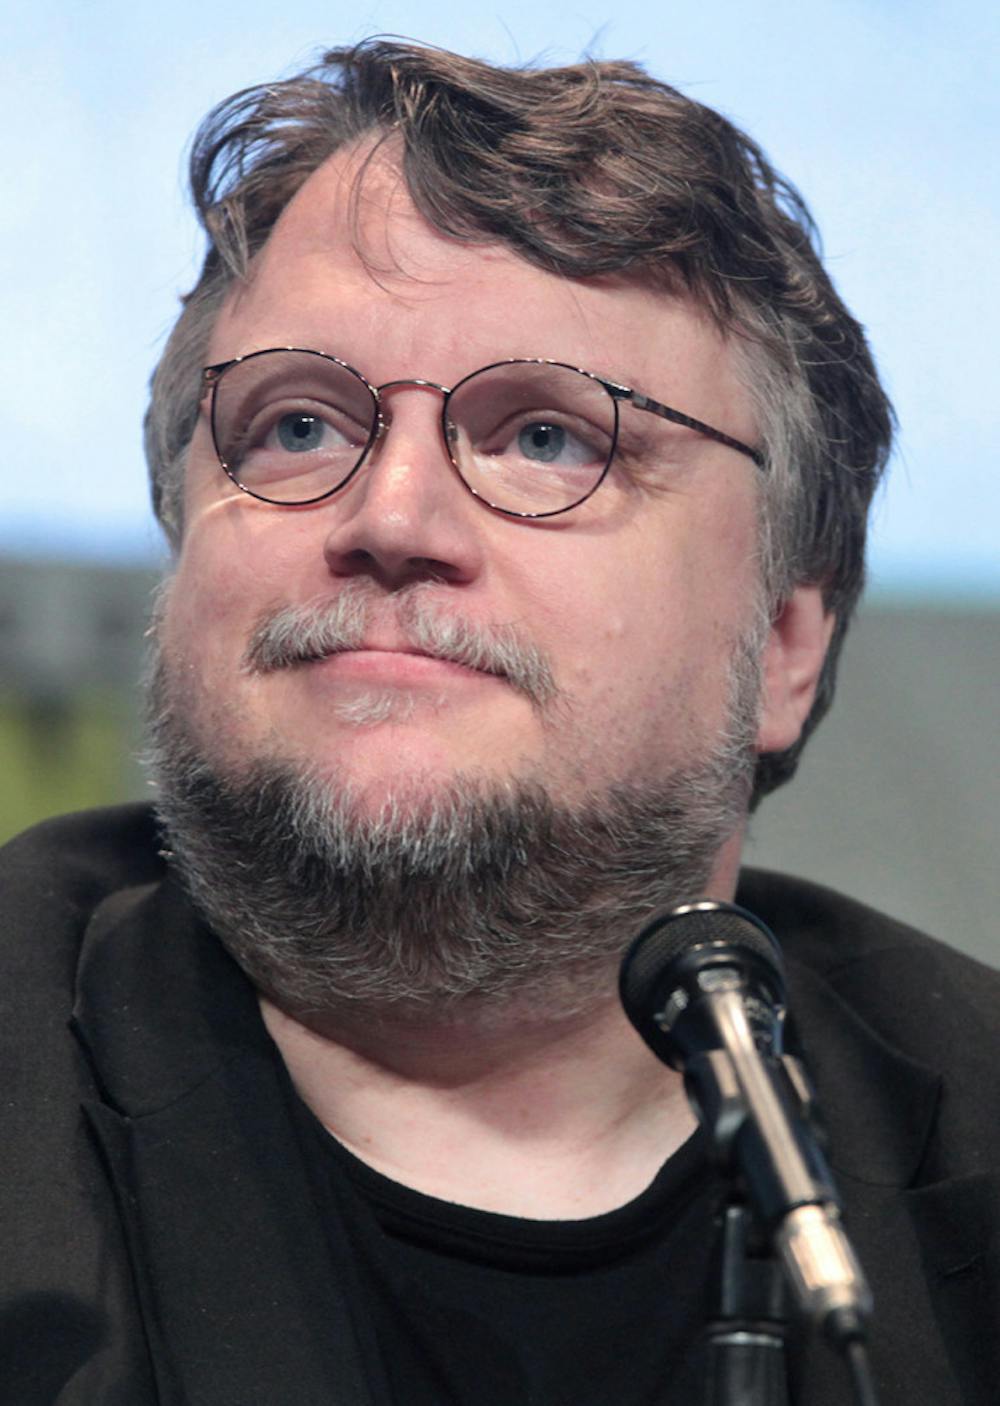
(856,1352)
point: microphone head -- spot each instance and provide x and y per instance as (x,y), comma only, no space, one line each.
(675,949)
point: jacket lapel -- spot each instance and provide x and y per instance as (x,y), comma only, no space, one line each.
(923,1247)
(239,1284)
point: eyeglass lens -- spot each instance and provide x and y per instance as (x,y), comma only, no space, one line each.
(526,437)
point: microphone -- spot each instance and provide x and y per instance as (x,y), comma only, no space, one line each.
(704,986)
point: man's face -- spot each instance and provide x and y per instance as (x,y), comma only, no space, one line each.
(633,602)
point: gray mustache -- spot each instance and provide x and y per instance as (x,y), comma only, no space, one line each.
(299,634)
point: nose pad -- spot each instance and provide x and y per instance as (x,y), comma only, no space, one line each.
(452,436)
(383,423)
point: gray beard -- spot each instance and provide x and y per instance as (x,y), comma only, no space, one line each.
(475,900)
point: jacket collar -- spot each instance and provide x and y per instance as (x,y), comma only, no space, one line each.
(240,1286)
(927,1232)
(879,1108)
(160,1006)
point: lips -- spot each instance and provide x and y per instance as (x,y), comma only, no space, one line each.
(399,672)
(374,651)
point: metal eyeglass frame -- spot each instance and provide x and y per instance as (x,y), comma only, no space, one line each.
(211,376)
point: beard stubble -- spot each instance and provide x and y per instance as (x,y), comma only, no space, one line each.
(471,899)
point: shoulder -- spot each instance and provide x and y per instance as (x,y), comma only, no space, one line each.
(92,848)
(66,1270)
(53,876)
(831,933)
(914,990)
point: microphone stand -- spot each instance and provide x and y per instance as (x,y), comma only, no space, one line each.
(745,1361)
(704,987)
(745,1339)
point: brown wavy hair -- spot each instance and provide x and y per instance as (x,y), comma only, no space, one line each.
(595,168)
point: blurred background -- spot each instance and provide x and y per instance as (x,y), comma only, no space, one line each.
(885,114)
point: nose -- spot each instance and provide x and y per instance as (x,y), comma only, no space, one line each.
(406,515)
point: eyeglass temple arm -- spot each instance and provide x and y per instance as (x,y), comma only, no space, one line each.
(677,417)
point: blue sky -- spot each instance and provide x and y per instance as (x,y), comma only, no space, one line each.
(885,115)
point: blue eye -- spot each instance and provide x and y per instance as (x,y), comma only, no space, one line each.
(299,433)
(543,443)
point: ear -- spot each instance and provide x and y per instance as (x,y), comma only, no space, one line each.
(792,661)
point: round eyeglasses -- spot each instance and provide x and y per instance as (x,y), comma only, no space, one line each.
(531,438)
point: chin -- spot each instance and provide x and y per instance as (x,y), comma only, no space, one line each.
(404,793)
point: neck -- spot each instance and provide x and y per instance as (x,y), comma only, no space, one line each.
(546,1118)
(526,1113)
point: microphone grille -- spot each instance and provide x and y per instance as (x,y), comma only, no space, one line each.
(669,935)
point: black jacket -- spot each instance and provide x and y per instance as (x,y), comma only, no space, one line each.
(158,1241)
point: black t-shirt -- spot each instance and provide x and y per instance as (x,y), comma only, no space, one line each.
(460,1307)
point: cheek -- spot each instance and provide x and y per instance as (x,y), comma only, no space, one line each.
(238,558)
(207,598)
(227,573)
(198,635)
(655,620)
(625,648)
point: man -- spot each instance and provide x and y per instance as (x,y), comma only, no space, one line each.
(515,450)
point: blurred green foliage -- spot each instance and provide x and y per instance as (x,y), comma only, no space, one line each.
(62,755)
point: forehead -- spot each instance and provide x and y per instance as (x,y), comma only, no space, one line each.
(353,268)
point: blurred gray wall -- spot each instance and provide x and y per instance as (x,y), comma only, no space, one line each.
(895,802)
(67,626)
